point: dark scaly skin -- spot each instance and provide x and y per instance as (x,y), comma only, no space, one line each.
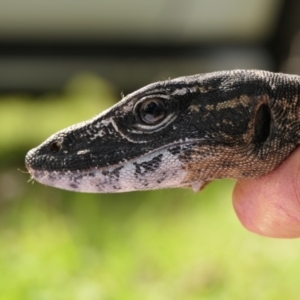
(229,124)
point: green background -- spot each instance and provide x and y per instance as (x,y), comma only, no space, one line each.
(169,244)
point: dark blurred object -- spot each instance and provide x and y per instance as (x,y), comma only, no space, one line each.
(285,44)
(135,42)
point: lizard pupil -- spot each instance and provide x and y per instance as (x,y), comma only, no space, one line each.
(153,111)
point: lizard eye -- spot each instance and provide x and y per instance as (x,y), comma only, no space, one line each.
(152,111)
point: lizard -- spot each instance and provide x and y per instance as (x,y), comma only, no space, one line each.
(182,132)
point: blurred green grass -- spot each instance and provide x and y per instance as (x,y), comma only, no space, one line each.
(170,244)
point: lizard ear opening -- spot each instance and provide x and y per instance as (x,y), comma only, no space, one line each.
(262,124)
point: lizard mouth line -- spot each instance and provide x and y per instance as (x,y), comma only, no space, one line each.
(33,171)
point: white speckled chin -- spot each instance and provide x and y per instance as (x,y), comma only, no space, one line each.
(156,171)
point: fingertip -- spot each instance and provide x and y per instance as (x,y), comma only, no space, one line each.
(269,205)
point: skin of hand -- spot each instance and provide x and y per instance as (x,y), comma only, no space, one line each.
(270,205)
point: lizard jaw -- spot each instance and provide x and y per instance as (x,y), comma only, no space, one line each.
(157,170)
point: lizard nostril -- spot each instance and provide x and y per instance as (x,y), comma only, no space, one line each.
(55,146)
(262,124)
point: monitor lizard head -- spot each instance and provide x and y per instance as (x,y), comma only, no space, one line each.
(175,133)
